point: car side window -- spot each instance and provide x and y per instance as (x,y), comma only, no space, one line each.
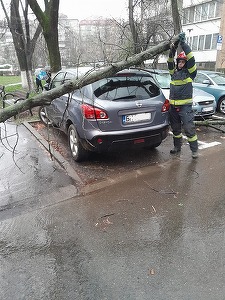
(69,76)
(57,80)
(200,78)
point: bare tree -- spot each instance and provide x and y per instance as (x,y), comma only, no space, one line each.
(150,22)
(23,43)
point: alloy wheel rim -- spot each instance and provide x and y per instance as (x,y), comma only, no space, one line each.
(73,143)
(222,106)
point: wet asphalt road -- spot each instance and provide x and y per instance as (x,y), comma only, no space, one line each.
(155,232)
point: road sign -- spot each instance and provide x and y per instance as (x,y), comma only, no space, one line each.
(219,42)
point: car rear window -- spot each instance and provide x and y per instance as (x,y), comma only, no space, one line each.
(163,80)
(126,88)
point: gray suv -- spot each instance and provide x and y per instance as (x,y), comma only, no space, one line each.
(123,111)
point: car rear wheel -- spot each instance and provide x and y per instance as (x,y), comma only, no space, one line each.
(43,116)
(77,150)
(221,105)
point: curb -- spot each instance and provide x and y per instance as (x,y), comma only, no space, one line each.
(58,157)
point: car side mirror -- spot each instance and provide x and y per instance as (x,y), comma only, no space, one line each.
(206,81)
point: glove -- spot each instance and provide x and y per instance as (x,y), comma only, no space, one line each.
(182,37)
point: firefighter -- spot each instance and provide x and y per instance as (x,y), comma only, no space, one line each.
(181,93)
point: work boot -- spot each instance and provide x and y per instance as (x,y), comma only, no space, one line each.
(175,150)
(194,154)
(194,148)
(177,146)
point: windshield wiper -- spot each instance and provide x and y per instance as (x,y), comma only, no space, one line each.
(125,97)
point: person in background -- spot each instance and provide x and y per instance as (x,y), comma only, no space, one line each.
(40,74)
(181,96)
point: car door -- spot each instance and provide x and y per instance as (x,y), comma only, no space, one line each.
(58,106)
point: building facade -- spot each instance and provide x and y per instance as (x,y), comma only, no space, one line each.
(203,23)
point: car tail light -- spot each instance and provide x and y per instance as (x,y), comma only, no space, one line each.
(166,106)
(91,112)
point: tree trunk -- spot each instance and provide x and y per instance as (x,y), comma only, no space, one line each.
(133,29)
(176,17)
(49,23)
(176,20)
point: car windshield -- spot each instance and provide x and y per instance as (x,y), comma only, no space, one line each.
(163,80)
(217,78)
(126,87)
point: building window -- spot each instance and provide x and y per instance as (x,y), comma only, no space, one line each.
(191,14)
(212,7)
(202,12)
(218,11)
(195,43)
(185,15)
(197,13)
(201,42)
(205,14)
(208,39)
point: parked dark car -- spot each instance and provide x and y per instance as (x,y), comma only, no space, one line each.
(119,112)
(213,83)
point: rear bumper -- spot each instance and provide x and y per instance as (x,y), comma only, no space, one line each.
(112,142)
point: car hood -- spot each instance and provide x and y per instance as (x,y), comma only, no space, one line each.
(200,95)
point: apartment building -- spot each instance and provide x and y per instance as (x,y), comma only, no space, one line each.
(203,21)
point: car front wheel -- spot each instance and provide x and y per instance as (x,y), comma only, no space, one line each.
(221,105)
(77,150)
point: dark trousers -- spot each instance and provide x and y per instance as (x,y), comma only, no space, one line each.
(39,84)
(183,117)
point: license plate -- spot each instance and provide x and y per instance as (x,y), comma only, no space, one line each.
(127,119)
(207,108)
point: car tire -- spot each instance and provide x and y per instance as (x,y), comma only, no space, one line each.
(43,116)
(221,105)
(76,148)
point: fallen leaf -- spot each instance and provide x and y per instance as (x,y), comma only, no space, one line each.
(151,272)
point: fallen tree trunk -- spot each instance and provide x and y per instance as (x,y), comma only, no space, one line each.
(46,97)
(212,124)
(209,122)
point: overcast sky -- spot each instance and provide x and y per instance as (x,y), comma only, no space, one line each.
(82,9)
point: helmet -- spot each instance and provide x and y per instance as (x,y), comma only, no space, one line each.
(182,56)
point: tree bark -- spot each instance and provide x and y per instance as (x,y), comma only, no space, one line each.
(176,17)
